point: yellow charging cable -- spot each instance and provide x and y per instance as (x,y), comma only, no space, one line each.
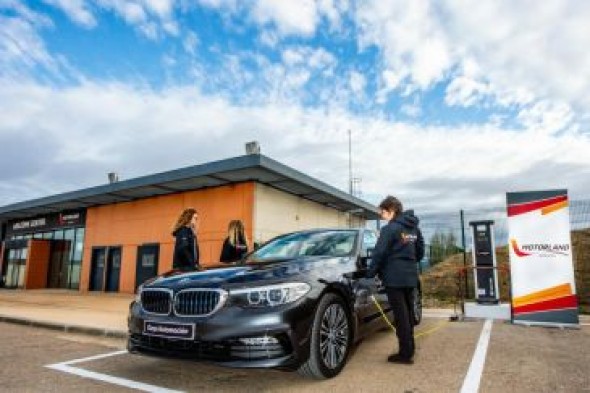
(382,313)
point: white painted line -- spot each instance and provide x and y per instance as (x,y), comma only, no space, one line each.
(97,357)
(128,383)
(473,377)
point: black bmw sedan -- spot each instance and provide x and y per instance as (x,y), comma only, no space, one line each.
(299,302)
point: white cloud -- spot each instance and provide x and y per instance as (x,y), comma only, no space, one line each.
(503,53)
(150,17)
(357,83)
(77,10)
(412,42)
(162,8)
(140,131)
(190,42)
(288,17)
(333,10)
(21,47)
(463,91)
(411,110)
(548,117)
(301,55)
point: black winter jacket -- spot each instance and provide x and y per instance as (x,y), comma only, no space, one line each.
(186,249)
(234,253)
(399,248)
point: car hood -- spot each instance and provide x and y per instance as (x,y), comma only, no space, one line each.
(251,274)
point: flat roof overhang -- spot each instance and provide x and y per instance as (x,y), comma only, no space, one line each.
(255,168)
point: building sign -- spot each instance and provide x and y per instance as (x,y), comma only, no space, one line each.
(541,264)
(47,223)
(29,224)
(69,218)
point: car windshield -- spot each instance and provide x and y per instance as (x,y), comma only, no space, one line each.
(326,243)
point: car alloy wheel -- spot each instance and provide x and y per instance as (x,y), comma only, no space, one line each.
(334,336)
(331,337)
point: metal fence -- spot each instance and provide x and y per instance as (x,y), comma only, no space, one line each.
(449,233)
(452,228)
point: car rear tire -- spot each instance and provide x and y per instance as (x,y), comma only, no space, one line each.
(330,339)
(417,306)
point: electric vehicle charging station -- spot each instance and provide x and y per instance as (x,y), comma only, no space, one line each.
(484,262)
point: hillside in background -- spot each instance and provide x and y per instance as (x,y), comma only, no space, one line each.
(440,282)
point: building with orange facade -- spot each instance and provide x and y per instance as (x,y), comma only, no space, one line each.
(114,236)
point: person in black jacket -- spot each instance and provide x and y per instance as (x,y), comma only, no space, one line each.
(235,245)
(186,247)
(399,248)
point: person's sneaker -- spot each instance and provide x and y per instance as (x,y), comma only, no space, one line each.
(396,358)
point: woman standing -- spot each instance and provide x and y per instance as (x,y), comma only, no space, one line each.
(186,247)
(235,245)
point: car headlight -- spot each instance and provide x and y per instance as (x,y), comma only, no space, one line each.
(270,295)
(138,294)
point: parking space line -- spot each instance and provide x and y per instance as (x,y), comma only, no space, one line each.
(91,358)
(473,377)
(128,383)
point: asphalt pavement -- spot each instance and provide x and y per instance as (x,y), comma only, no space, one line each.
(465,356)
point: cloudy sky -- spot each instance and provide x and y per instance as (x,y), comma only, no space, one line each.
(450,104)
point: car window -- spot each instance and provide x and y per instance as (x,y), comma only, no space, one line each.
(324,243)
(369,240)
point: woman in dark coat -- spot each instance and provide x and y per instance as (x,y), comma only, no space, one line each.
(235,245)
(186,247)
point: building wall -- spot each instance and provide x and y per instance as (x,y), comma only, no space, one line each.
(150,220)
(277,212)
(37,265)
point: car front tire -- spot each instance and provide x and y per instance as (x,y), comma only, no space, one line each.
(330,339)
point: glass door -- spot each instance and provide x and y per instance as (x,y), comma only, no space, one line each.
(15,267)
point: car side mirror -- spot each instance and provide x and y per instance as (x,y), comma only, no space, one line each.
(365,259)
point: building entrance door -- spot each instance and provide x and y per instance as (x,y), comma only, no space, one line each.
(58,277)
(15,267)
(147,263)
(97,269)
(113,269)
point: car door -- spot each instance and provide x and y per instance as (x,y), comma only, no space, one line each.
(366,288)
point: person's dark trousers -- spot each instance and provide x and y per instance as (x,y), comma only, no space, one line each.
(400,300)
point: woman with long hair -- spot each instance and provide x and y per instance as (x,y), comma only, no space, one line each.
(186,247)
(235,245)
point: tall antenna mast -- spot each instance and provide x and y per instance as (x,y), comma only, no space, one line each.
(350,188)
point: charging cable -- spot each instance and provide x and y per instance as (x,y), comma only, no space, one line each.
(382,313)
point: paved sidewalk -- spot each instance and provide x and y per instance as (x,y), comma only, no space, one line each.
(91,313)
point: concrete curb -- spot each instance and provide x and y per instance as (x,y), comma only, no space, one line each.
(111,333)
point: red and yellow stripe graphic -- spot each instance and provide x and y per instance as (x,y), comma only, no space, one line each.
(550,299)
(546,206)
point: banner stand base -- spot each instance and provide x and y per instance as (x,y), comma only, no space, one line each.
(547,324)
(487,311)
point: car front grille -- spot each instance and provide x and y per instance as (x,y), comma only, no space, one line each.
(199,302)
(156,301)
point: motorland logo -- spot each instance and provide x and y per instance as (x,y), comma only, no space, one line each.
(409,238)
(540,249)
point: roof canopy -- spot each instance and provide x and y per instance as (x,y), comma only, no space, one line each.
(254,167)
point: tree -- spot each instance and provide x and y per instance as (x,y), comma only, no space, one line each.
(441,246)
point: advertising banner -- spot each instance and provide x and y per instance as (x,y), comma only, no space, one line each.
(541,264)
